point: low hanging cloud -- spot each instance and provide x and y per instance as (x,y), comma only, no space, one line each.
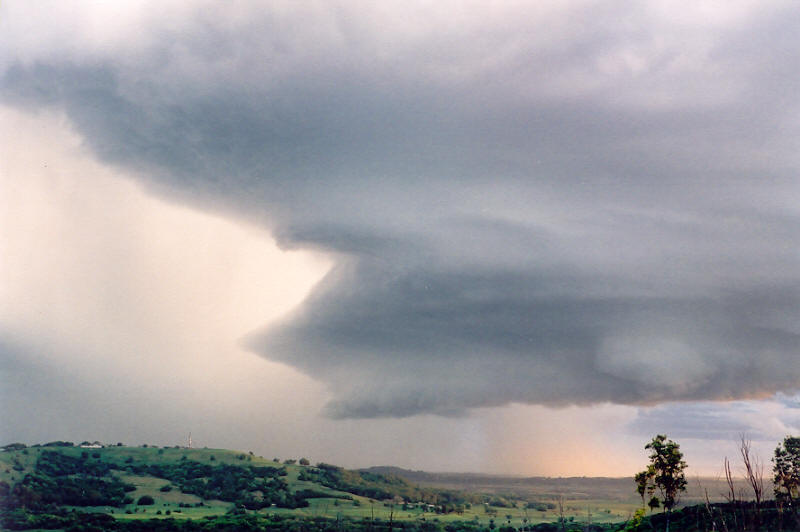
(549,205)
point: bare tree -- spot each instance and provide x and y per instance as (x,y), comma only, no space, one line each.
(562,520)
(731,495)
(754,468)
(710,511)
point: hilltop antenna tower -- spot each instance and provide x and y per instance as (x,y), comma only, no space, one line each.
(190,440)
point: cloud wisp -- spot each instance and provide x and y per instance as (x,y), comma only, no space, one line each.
(566,205)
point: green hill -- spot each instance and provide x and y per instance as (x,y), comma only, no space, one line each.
(136,484)
(61,486)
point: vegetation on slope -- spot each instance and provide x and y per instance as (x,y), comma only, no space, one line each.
(137,484)
(66,487)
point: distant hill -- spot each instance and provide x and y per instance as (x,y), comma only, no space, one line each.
(619,489)
(492,480)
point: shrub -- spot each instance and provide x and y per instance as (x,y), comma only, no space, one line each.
(145,500)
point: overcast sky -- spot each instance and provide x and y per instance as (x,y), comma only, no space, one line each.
(467,236)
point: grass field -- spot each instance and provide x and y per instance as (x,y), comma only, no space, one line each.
(583,499)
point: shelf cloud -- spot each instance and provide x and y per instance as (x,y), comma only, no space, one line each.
(556,205)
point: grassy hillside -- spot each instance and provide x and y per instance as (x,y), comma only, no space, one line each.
(135,483)
(57,485)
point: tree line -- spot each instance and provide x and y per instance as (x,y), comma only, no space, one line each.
(662,482)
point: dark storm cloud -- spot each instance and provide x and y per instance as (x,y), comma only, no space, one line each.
(578,207)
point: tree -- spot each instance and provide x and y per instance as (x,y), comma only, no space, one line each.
(304,461)
(664,474)
(754,474)
(643,484)
(786,470)
(145,500)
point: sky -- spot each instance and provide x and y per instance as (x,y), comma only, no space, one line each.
(517,237)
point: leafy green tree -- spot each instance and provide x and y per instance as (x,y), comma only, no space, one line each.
(635,522)
(786,470)
(643,484)
(664,474)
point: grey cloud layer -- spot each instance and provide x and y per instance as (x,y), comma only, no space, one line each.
(577,206)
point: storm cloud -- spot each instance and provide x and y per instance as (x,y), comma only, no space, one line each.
(564,205)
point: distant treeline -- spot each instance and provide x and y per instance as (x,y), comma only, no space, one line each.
(387,486)
(86,522)
(699,518)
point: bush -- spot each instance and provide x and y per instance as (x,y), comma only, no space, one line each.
(145,500)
